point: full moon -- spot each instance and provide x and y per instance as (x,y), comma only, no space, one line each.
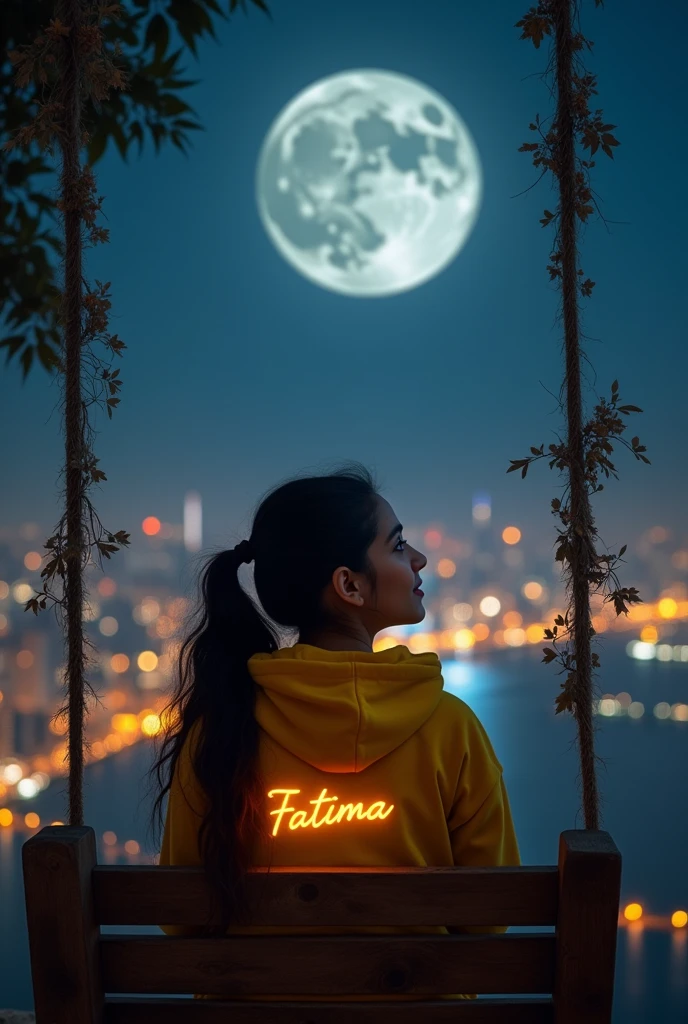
(368,183)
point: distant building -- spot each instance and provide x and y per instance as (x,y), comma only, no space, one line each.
(483,563)
(30,687)
(27,695)
(30,734)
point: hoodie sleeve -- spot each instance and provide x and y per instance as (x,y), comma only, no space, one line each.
(481,827)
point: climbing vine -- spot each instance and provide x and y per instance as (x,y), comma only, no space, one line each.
(566,149)
(70,61)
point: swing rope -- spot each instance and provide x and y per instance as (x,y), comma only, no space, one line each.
(581,549)
(70,139)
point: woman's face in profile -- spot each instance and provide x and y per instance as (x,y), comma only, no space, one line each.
(398,566)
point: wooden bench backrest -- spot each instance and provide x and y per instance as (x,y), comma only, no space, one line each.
(569,973)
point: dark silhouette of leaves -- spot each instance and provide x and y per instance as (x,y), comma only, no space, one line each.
(150,111)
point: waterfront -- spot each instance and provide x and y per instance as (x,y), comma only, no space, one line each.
(646,759)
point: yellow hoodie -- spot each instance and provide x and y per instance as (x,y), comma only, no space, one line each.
(366,761)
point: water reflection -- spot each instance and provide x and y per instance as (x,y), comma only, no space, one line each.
(678,970)
(635,960)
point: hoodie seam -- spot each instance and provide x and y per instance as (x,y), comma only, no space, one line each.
(360,715)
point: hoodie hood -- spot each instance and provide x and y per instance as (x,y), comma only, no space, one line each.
(340,711)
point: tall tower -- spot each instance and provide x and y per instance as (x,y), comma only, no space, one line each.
(193,521)
(6,710)
(31,693)
(483,562)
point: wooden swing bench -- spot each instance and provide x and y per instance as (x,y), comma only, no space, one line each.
(568,974)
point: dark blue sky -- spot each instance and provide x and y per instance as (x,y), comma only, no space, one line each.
(239,372)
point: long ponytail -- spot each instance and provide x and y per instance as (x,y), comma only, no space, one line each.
(301,532)
(217,691)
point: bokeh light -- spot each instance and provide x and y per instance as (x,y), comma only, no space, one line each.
(11,773)
(107,587)
(512,619)
(147,611)
(108,625)
(151,725)
(667,608)
(633,912)
(125,723)
(27,788)
(641,651)
(490,606)
(464,639)
(147,661)
(679,560)
(462,611)
(515,637)
(90,610)
(21,592)
(24,659)
(511,535)
(119,663)
(151,526)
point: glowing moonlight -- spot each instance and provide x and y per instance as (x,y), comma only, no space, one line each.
(368,183)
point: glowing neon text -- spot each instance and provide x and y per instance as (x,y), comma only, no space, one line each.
(377,811)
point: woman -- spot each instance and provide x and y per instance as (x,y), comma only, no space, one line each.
(325,752)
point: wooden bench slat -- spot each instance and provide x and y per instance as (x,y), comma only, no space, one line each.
(312,896)
(325,965)
(120,1010)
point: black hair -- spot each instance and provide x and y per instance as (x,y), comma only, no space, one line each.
(302,530)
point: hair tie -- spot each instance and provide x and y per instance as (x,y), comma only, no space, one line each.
(244,551)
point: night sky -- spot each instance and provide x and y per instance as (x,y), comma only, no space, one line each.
(240,372)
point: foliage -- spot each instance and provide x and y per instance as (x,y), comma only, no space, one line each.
(140,37)
(71,61)
(576,540)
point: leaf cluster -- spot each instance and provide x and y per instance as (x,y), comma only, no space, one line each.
(589,128)
(575,544)
(139,39)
